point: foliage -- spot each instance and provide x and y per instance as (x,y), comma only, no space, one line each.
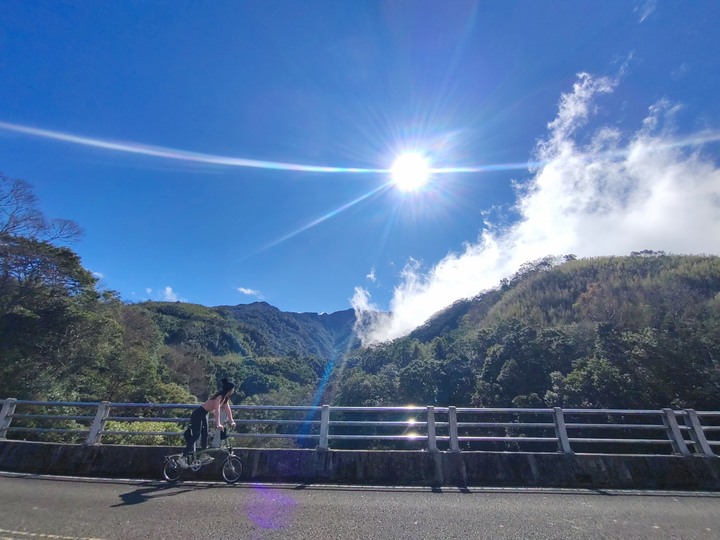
(145,437)
(52,321)
(640,331)
(278,333)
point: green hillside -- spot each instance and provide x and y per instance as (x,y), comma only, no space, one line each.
(275,356)
(286,333)
(636,331)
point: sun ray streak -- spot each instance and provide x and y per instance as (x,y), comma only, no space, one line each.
(327,216)
(180,155)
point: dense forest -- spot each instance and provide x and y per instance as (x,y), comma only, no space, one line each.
(637,331)
(641,330)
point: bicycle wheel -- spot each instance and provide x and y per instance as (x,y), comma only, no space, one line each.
(231,469)
(171,470)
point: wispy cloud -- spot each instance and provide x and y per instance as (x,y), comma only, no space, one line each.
(611,194)
(371,276)
(646,9)
(249,292)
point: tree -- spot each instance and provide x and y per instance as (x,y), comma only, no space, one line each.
(34,273)
(420,381)
(53,328)
(520,358)
(19,215)
(594,383)
(359,389)
(51,322)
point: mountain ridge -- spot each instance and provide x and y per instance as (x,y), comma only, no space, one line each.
(320,334)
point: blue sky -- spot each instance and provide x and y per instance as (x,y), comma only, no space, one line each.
(179,135)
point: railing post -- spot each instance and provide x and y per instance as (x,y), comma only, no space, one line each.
(697,433)
(561,431)
(324,427)
(98,424)
(452,420)
(432,442)
(674,434)
(8,409)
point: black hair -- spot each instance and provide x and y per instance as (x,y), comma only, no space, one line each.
(225,387)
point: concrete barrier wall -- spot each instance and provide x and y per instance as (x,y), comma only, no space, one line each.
(379,467)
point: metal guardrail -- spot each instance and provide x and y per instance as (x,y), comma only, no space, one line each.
(683,432)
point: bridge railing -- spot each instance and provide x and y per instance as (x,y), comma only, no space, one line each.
(682,432)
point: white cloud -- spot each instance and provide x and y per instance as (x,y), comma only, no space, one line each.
(98,275)
(249,292)
(371,276)
(166,295)
(646,9)
(170,296)
(609,195)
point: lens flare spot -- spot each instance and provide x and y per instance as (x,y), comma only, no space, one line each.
(271,509)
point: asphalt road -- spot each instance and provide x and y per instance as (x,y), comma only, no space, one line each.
(59,508)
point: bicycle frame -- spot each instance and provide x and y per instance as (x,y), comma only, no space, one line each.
(225,446)
(231,465)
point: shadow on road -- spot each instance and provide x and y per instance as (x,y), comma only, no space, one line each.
(154,490)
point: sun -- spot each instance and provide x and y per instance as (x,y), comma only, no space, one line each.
(410,172)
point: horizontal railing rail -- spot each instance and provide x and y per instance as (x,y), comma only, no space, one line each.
(683,432)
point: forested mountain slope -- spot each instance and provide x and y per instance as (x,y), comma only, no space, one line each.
(636,331)
(274,356)
(285,333)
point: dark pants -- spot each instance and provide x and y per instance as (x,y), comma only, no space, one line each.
(198,429)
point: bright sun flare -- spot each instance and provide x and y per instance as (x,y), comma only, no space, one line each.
(410,172)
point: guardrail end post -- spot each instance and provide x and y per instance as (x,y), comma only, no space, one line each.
(324,427)
(561,431)
(432,441)
(697,434)
(674,434)
(98,425)
(8,409)
(452,420)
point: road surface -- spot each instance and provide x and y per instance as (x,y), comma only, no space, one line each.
(59,508)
